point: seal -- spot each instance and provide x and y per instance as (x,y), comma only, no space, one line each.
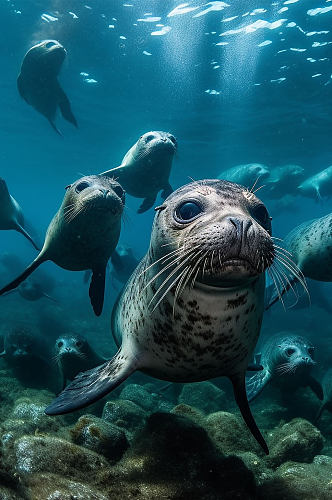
(287,361)
(73,354)
(83,233)
(32,290)
(318,186)
(246,175)
(38,84)
(193,308)
(11,215)
(310,246)
(145,169)
(123,262)
(327,389)
(283,181)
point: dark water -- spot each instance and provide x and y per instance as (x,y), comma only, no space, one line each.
(235,82)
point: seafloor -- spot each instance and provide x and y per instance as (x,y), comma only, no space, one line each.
(150,442)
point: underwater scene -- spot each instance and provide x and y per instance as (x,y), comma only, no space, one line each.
(166,250)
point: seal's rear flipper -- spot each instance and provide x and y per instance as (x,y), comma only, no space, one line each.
(55,127)
(23,276)
(316,387)
(65,108)
(239,388)
(97,289)
(256,384)
(92,385)
(147,203)
(21,230)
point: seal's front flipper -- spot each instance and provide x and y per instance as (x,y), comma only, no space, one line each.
(14,284)
(239,388)
(65,108)
(166,191)
(147,203)
(97,289)
(316,387)
(88,387)
(21,230)
(256,384)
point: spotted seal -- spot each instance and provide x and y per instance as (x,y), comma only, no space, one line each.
(318,185)
(73,354)
(193,308)
(287,361)
(145,169)
(83,233)
(11,215)
(310,247)
(37,82)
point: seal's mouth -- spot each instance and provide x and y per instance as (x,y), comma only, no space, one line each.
(228,272)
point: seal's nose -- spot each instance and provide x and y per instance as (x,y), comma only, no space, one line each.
(241,226)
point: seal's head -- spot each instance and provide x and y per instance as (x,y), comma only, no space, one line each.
(68,346)
(93,194)
(48,54)
(155,143)
(30,290)
(294,354)
(19,344)
(217,233)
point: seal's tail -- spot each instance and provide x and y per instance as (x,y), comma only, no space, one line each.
(89,386)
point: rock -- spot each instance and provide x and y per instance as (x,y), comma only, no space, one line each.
(100,436)
(230,434)
(204,396)
(8,494)
(257,465)
(141,396)
(54,487)
(33,454)
(298,481)
(124,414)
(297,441)
(190,412)
(33,414)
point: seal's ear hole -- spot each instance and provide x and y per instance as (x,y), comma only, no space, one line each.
(81,186)
(68,187)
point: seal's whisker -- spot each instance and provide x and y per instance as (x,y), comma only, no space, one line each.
(289,285)
(164,257)
(297,273)
(272,276)
(178,286)
(251,190)
(282,249)
(165,293)
(258,189)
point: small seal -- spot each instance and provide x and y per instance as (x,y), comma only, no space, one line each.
(73,354)
(11,215)
(83,233)
(146,168)
(283,181)
(193,308)
(123,262)
(310,247)
(318,186)
(287,362)
(246,175)
(38,84)
(327,389)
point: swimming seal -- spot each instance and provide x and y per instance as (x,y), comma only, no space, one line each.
(310,247)
(83,233)
(73,354)
(246,175)
(146,167)
(318,186)
(37,82)
(193,308)
(283,181)
(123,263)
(11,215)
(287,360)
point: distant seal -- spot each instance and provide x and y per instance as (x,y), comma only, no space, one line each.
(145,169)
(193,308)
(287,362)
(38,84)
(246,175)
(327,390)
(318,186)
(123,262)
(73,354)
(33,290)
(83,233)
(310,247)
(283,181)
(11,215)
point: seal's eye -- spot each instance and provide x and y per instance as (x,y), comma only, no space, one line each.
(311,351)
(172,138)
(81,186)
(188,211)
(78,343)
(149,137)
(60,344)
(118,191)
(48,45)
(261,214)
(290,351)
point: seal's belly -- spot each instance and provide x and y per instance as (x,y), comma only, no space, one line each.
(210,335)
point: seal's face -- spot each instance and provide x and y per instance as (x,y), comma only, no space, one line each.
(294,354)
(19,345)
(70,345)
(219,233)
(153,143)
(259,171)
(93,194)
(48,53)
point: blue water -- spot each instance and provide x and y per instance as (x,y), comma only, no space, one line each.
(240,82)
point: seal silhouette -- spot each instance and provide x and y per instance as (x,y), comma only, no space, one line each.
(11,215)
(38,84)
(193,308)
(83,233)
(145,169)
